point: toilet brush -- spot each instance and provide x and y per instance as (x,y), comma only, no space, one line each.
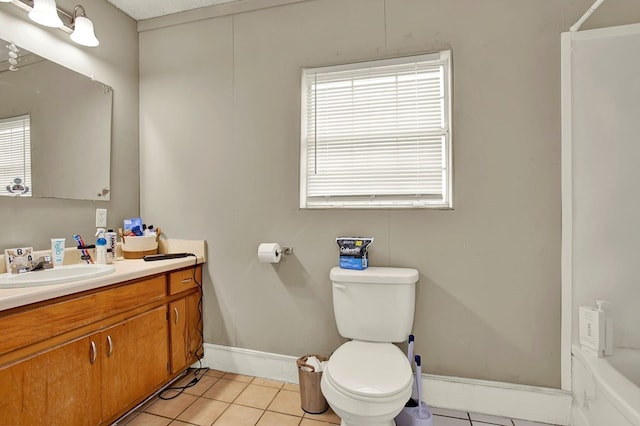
(410,349)
(422,407)
(414,394)
(415,411)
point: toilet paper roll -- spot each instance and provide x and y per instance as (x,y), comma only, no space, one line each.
(269,252)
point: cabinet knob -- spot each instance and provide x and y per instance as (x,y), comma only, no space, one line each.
(110,343)
(187,280)
(177,315)
(93,354)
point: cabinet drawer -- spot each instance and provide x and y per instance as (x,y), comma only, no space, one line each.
(57,317)
(184,279)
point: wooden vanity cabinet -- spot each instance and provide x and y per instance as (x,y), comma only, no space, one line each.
(105,363)
(185,318)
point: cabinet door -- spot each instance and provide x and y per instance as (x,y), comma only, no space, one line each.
(58,387)
(194,328)
(134,360)
(178,334)
(185,325)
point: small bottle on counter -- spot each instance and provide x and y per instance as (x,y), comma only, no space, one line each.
(112,243)
(101,247)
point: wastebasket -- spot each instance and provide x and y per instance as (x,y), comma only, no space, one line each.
(311,399)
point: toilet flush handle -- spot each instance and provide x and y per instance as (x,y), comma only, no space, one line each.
(340,286)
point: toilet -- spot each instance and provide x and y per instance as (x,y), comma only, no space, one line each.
(368,380)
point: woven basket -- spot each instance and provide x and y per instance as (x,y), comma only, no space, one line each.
(138,247)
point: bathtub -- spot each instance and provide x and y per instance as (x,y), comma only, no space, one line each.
(606,391)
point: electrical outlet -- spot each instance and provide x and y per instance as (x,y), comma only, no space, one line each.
(101,218)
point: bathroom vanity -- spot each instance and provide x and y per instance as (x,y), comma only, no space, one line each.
(85,353)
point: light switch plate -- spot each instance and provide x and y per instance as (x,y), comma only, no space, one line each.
(101,218)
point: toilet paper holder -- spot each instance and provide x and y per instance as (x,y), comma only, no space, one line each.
(287,250)
(272,252)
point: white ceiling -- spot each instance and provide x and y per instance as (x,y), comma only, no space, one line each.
(145,9)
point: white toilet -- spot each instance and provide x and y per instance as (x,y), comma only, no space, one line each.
(367,380)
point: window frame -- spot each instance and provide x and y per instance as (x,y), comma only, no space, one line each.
(26,157)
(377,201)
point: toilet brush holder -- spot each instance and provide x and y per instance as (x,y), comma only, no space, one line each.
(415,411)
(414,415)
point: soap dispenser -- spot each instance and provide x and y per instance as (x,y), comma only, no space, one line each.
(593,327)
(608,329)
(101,247)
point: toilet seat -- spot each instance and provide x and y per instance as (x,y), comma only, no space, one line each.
(369,370)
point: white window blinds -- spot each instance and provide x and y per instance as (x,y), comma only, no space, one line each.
(15,156)
(377,134)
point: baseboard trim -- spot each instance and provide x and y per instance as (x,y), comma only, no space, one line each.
(479,396)
(533,403)
(252,363)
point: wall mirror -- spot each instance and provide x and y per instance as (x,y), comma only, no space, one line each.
(63,120)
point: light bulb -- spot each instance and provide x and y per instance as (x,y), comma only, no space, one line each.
(45,13)
(83,32)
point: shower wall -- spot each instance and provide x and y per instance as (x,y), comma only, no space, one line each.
(605,177)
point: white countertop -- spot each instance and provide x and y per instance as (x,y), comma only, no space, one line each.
(125,270)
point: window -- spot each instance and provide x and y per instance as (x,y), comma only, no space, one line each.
(377,134)
(15,156)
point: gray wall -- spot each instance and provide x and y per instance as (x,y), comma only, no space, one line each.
(33,221)
(219,124)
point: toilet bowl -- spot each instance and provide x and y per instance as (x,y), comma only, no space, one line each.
(367,383)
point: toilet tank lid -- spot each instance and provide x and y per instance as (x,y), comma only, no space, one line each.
(374,274)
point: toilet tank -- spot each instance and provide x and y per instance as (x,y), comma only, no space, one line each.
(376,304)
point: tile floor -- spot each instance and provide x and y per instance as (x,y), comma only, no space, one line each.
(227,399)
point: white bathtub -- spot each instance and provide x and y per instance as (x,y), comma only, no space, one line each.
(606,391)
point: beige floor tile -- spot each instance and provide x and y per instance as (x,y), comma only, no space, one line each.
(490,419)
(238,415)
(203,411)
(451,421)
(215,373)
(203,385)
(146,404)
(225,390)
(256,396)
(172,407)
(179,423)
(266,382)
(287,402)
(183,380)
(328,416)
(145,419)
(270,418)
(195,389)
(128,418)
(238,377)
(169,393)
(517,422)
(309,422)
(450,413)
(291,387)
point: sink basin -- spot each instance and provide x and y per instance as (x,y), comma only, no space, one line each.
(57,275)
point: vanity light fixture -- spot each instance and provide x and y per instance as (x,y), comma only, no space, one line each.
(45,13)
(83,33)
